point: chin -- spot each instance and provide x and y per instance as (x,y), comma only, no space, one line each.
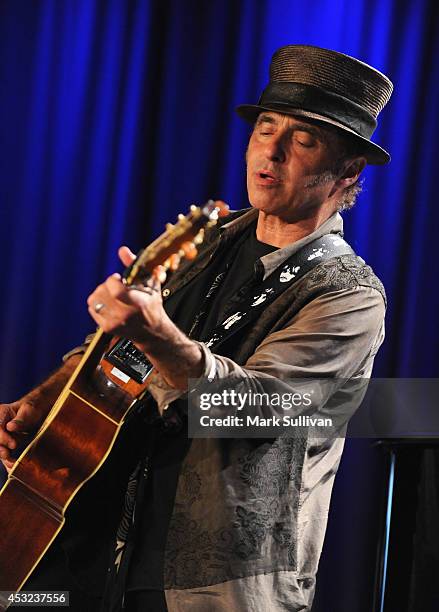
(262,201)
(267,206)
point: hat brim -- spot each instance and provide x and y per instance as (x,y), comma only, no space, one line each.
(373,153)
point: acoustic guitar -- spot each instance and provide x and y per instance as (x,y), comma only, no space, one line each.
(82,426)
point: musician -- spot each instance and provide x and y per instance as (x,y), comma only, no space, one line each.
(235,524)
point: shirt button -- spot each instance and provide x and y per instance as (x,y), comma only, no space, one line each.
(166,292)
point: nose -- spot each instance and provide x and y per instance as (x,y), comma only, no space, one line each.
(275,148)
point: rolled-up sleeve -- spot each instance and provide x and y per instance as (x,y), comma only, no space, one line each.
(81,348)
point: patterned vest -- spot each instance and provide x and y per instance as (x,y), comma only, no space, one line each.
(237,499)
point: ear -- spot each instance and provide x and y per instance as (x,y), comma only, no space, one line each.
(350,173)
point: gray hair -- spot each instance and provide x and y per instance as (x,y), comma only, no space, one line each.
(347,149)
(349,196)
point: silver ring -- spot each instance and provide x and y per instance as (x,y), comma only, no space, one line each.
(98,307)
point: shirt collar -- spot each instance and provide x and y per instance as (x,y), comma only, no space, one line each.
(333,225)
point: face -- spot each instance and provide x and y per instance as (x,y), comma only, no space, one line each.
(288,166)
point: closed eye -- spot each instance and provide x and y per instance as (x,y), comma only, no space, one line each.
(305,139)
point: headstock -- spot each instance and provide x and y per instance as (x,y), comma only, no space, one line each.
(177,242)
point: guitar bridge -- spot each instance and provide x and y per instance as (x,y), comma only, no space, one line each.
(129,360)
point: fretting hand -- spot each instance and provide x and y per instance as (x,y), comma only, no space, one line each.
(137,314)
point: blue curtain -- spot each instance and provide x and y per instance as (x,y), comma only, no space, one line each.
(115,115)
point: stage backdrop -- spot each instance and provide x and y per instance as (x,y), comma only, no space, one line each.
(115,115)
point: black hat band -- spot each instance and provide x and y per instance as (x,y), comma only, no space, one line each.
(285,95)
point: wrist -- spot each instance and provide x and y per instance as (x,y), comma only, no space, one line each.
(177,358)
(158,341)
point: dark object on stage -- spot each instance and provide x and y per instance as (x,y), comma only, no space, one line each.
(408,559)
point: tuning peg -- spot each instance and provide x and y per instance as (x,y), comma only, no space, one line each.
(190,250)
(160,274)
(169,227)
(199,237)
(174,262)
(223,208)
(181,217)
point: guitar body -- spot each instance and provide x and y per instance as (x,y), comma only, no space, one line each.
(72,444)
(84,422)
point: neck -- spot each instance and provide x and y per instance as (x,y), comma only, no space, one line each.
(279,233)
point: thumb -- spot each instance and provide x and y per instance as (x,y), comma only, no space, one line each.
(25,419)
(126,256)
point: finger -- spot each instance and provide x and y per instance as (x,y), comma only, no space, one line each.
(159,274)
(119,295)
(5,454)
(113,286)
(117,311)
(105,294)
(7,413)
(139,298)
(126,256)
(6,441)
(27,418)
(99,295)
(8,464)
(154,285)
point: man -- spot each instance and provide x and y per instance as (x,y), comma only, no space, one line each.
(239,524)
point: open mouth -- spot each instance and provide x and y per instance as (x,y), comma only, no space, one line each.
(267,178)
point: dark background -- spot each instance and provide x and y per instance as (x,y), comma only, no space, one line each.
(116,115)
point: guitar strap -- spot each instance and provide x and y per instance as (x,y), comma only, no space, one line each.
(297,265)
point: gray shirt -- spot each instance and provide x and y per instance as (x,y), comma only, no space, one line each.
(325,338)
(335,336)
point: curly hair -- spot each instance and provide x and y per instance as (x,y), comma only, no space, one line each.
(348,148)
